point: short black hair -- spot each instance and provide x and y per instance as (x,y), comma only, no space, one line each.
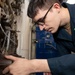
(34,5)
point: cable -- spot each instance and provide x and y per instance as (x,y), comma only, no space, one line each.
(7,35)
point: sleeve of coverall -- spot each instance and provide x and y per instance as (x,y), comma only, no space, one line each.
(64,65)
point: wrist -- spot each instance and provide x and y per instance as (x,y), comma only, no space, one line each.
(39,65)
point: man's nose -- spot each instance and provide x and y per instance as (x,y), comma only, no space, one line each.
(41,27)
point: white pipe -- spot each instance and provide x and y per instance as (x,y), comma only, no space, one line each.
(25,32)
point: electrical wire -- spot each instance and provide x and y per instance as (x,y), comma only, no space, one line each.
(7,35)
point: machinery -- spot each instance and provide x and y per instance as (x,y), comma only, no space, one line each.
(9,10)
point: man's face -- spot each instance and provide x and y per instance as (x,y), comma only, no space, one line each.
(48,19)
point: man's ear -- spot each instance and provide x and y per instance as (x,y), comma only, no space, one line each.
(56,5)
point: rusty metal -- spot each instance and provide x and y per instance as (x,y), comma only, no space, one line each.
(8,31)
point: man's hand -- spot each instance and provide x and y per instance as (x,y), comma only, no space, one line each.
(21,66)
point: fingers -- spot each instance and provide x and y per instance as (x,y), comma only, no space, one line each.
(6,70)
(11,57)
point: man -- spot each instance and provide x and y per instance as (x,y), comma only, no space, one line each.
(59,19)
